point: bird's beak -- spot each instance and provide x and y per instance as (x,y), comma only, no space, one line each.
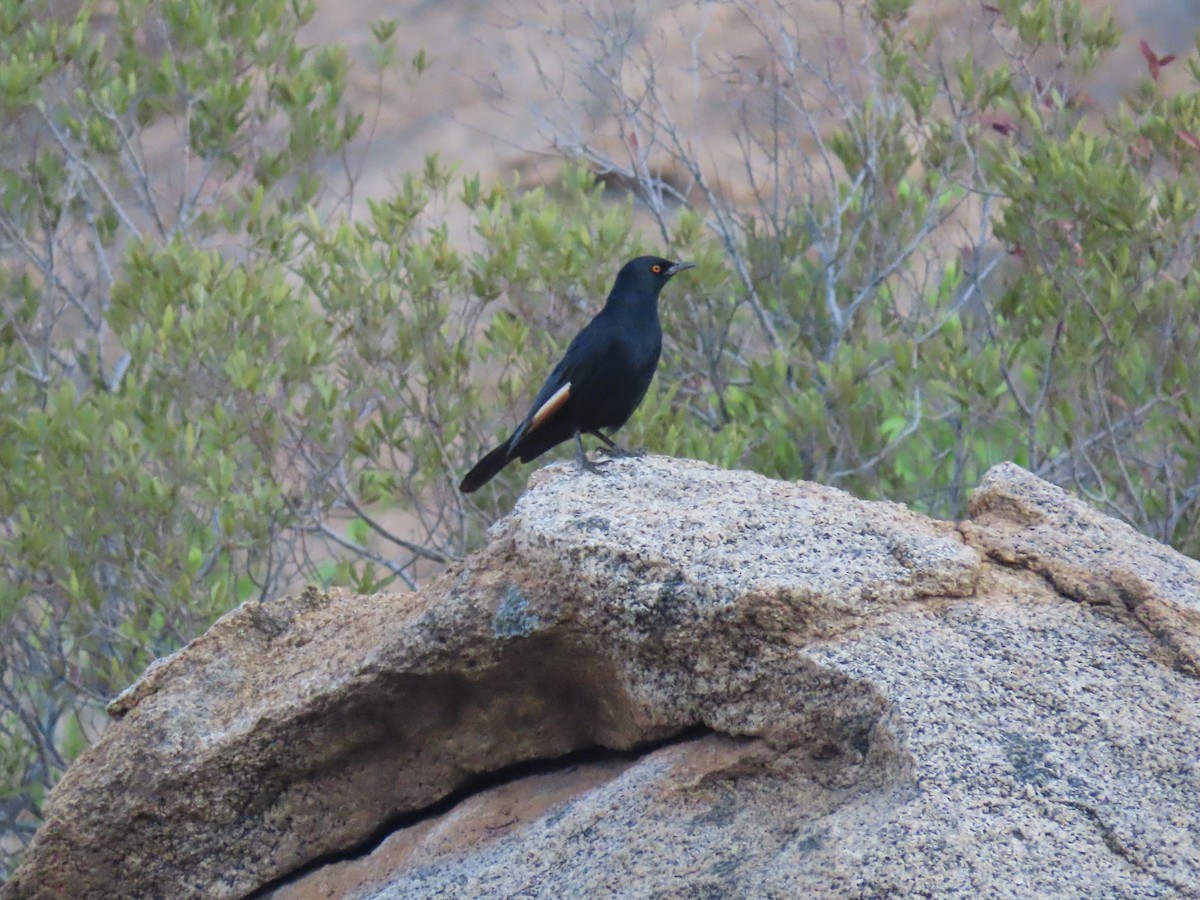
(679,267)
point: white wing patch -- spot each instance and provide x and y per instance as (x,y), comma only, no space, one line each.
(550,407)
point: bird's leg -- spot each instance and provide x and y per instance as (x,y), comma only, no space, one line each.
(611,448)
(585,464)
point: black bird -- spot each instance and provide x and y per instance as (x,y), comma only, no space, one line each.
(601,379)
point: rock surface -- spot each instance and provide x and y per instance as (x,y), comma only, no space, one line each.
(677,681)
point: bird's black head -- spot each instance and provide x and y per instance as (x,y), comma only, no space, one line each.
(647,274)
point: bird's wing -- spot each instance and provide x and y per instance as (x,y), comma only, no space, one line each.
(592,342)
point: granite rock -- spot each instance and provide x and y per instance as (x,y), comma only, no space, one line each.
(676,680)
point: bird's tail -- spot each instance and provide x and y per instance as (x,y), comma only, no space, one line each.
(486,469)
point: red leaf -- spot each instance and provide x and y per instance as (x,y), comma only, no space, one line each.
(633,143)
(1004,126)
(1189,138)
(1154,62)
(987,7)
(1082,100)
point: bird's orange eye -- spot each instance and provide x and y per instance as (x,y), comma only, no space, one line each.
(656,269)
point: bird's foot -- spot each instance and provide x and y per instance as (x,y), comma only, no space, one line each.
(596,468)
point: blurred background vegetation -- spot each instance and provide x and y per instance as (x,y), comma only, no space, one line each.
(224,373)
